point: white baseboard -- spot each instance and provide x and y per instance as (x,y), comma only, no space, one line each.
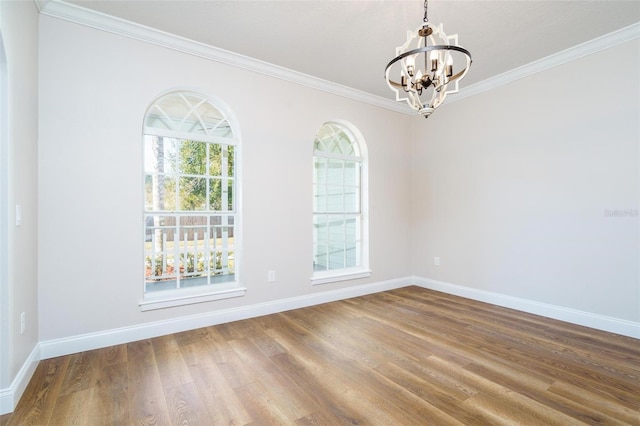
(574,316)
(73,344)
(10,396)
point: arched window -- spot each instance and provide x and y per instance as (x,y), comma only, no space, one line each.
(190,211)
(340,249)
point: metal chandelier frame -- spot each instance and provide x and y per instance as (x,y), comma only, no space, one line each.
(424,89)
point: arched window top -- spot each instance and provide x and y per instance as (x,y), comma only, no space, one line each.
(336,139)
(187,113)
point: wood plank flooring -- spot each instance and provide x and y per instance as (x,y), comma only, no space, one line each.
(404,357)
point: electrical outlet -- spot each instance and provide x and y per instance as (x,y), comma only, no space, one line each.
(436,261)
(271,276)
(23,322)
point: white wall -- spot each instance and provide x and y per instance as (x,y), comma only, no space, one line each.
(513,188)
(94,89)
(19,26)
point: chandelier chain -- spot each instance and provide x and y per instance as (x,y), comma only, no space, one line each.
(425,19)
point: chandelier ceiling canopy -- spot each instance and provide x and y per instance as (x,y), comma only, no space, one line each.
(427,67)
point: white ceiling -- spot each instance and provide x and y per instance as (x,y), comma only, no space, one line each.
(349,42)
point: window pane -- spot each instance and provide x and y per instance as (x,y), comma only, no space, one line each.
(319,170)
(229,196)
(334,170)
(193,223)
(351,173)
(352,226)
(336,229)
(215,160)
(192,158)
(199,116)
(319,199)
(221,160)
(164,197)
(215,196)
(335,147)
(221,195)
(336,256)
(320,228)
(192,247)
(230,159)
(159,249)
(336,242)
(221,241)
(351,200)
(159,154)
(346,147)
(193,193)
(231,220)
(149,183)
(334,199)
(351,255)
(320,257)
(221,232)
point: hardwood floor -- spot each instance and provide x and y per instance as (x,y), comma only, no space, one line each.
(404,357)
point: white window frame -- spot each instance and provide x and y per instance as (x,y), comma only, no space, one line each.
(212,290)
(362,270)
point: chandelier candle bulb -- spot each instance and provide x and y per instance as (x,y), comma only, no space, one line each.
(411,64)
(418,82)
(434,56)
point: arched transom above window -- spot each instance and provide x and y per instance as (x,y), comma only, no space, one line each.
(335,139)
(187,113)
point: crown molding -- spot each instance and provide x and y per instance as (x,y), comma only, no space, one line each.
(83,16)
(40,4)
(598,44)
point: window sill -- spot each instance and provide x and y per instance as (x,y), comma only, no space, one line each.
(168,299)
(325,277)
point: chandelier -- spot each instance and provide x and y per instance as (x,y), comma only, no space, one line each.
(427,67)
